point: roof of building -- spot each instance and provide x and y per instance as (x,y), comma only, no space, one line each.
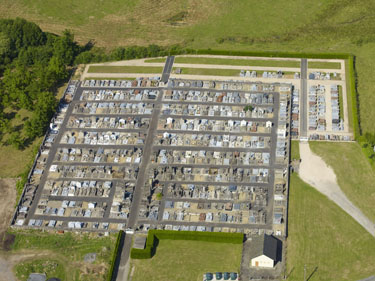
(264,245)
(140,242)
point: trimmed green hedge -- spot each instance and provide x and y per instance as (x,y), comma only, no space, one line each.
(115,254)
(155,235)
(354,97)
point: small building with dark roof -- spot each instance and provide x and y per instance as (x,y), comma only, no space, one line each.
(264,251)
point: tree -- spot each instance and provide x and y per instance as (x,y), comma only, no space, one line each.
(4,44)
(57,69)
(43,111)
(248,108)
(15,140)
(65,48)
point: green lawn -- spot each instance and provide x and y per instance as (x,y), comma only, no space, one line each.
(323,236)
(354,173)
(124,69)
(210,71)
(64,254)
(321,64)
(238,62)
(187,260)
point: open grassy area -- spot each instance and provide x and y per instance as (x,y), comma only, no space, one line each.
(354,173)
(238,62)
(63,254)
(324,64)
(124,69)
(14,161)
(328,26)
(209,71)
(187,260)
(323,237)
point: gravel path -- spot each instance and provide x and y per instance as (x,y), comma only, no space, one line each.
(6,273)
(315,172)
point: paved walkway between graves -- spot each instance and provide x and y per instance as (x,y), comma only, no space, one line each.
(314,171)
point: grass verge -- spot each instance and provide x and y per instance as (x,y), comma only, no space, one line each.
(341,103)
(324,238)
(210,71)
(157,60)
(324,65)
(124,69)
(294,150)
(238,62)
(110,78)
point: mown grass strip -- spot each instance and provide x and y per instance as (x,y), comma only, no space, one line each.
(238,62)
(158,60)
(324,65)
(341,103)
(124,69)
(110,78)
(210,71)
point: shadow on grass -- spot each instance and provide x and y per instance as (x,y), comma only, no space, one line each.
(156,244)
(118,258)
(312,273)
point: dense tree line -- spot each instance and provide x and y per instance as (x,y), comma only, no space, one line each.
(33,63)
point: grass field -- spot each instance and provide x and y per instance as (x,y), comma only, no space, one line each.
(13,161)
(354,173)
(321,64)
(328,26)
(238,62)
(64,254)
(325,238)
(187,260)
(210,71)
(124,69)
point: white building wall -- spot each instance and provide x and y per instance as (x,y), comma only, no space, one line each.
(263,261)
